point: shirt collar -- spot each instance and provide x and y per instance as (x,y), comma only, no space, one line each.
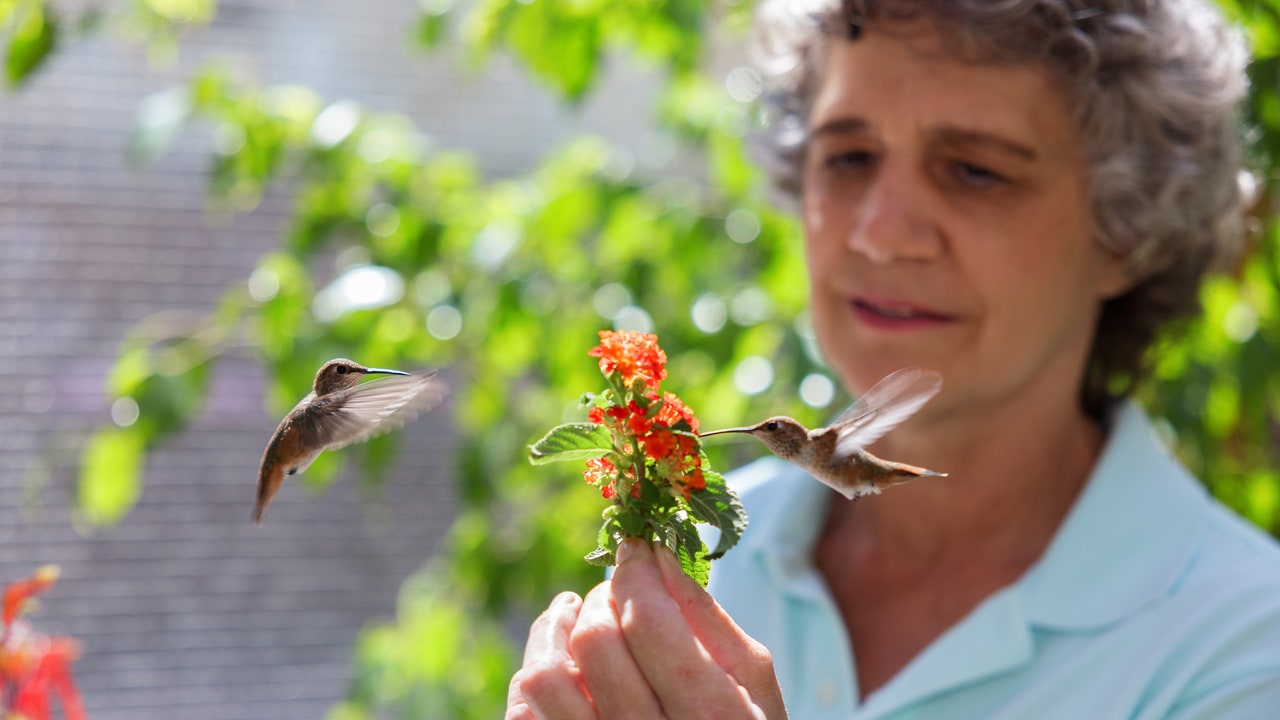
(1126,540)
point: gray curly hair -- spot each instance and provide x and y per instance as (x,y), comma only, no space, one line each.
(1156,85)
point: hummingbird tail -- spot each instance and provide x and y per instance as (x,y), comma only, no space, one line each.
(910,472)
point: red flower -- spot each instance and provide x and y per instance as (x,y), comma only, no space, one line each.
(691,481)
(596,415)
(17,593)
(638,420)
(634,355)
(599,470)
(35,668)
(661,444)
(674,410)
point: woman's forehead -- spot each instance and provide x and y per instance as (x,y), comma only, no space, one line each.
(884,78)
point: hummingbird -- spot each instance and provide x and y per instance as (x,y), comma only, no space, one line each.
(834,455)
(340,411)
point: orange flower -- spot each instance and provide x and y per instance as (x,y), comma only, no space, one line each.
(598,470)
(17,593)
(33,667)
(691,481)
(660,444)
(674,410)
(639,421)
(634,355)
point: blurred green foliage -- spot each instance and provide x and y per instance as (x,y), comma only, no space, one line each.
(30,30)
(506,280)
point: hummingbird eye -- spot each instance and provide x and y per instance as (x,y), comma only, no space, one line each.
(771,426)
(342,369)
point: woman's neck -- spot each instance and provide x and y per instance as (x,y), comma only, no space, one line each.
(1012,478)
(906,565)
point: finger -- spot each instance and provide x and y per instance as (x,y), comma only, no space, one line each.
(549,685)
(742,656)
(612,677)
(683,675)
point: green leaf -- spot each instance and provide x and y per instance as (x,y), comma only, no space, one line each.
(431,29)
(601,558)
(719,505)
(695,564)
(110,478)
(568,63)
(573,441)
(35,32)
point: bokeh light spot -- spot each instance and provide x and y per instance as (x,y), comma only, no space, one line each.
(124,411)
(709,313)
(753,375)
(444,322)
(817,390)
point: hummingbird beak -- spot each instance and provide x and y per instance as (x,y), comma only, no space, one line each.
(384,371)
(727,430)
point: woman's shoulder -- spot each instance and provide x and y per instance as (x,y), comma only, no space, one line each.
(1233,557)
(1223,621)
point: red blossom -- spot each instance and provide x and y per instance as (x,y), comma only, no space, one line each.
(598,470)
(660,444)
(17,593)
(674,410)
(634,355)
(691,481)
(638,419)
(34,668)
(674,457)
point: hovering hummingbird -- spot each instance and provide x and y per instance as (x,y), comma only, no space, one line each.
(338,412)
(834,454)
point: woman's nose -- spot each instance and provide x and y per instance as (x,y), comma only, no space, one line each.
(894,222)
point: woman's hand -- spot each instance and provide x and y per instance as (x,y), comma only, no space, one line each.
(650,643)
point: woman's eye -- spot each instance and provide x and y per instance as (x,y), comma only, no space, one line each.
(977,176)
(851,161)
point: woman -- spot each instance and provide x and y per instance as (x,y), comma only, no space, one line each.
(1019,195)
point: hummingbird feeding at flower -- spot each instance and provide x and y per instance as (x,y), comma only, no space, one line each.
(834,455)
(340,411)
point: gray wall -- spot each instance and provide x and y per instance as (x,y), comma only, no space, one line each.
(186,610)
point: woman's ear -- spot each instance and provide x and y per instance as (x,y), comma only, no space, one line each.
(1114,275)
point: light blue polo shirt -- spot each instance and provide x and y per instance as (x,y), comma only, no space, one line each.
(1152,601)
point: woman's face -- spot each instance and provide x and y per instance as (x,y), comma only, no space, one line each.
(947,223)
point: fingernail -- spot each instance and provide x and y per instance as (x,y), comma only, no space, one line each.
(627,549)
(566,598)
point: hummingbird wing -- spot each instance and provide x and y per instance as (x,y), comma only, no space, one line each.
(368,409)
(882,408)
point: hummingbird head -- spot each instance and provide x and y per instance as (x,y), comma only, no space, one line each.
(341,374)
(783,436)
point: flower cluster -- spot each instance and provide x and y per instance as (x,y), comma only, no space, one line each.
(635,356)
(661,428)
(644,424)
(33,667)
(643,453)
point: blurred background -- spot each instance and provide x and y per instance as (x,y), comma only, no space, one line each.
(201,202)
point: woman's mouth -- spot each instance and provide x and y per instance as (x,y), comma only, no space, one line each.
(892,315)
